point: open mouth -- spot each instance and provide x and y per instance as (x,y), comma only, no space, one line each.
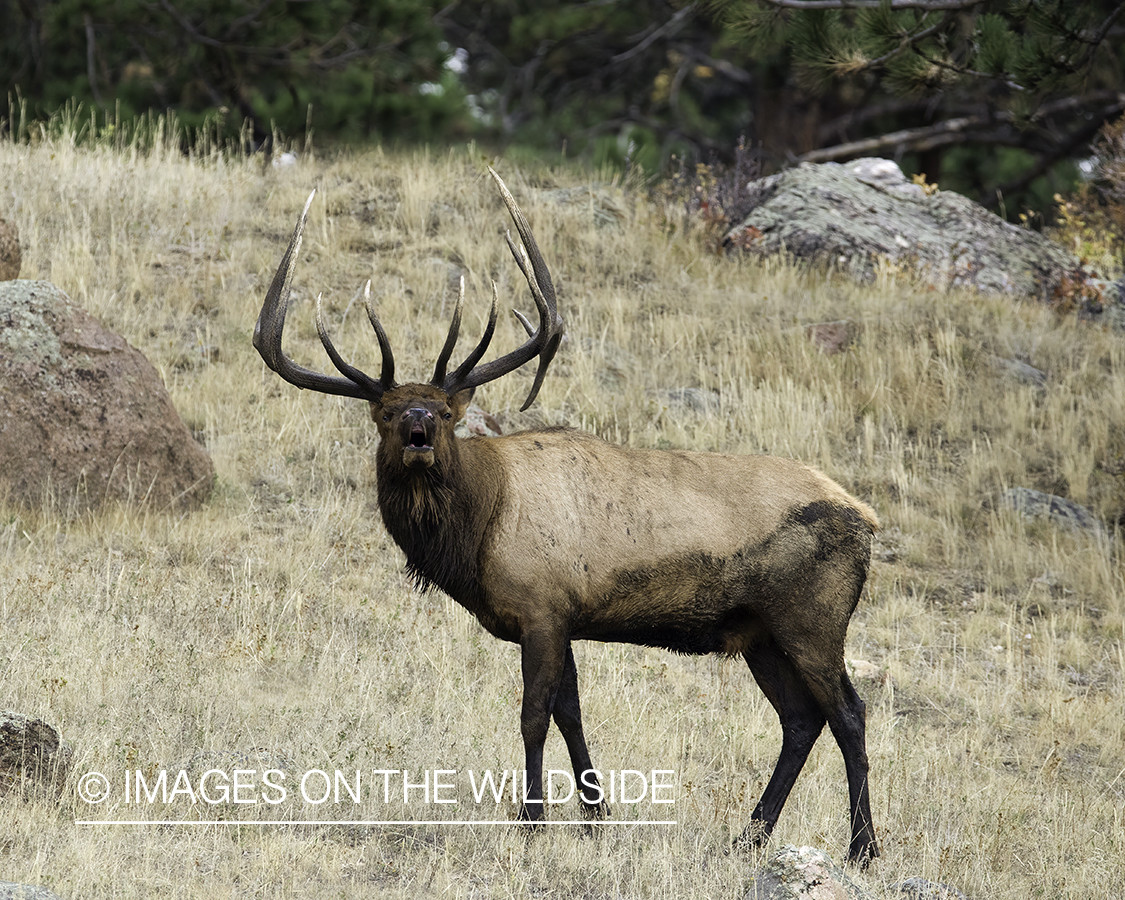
(418,438)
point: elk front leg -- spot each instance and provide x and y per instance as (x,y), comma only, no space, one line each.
(568,716)
(543,664)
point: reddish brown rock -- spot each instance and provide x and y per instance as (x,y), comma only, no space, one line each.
(84,417)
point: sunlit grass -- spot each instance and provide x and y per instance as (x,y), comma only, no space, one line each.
(278,617)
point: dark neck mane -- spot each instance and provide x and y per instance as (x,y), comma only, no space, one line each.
(438,517)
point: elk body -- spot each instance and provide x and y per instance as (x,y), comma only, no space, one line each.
(554,535)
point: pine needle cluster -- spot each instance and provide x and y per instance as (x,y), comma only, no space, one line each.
(1000,50)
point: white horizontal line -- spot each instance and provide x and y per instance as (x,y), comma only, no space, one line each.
(488,822)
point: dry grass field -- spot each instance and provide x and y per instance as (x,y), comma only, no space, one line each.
(278,619)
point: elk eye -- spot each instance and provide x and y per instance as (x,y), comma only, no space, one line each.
(447,415)
(386,417)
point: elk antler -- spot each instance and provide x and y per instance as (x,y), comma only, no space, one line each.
(542,342)
(271,323)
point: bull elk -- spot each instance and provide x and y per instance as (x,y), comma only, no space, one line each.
(553,535)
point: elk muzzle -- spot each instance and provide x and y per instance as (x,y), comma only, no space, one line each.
(417,427)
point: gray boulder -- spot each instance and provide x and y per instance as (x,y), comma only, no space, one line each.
(84,417)
(865,214)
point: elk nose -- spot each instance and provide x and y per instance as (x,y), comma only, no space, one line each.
(417,412)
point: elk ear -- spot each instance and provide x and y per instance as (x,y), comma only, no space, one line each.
(459,402)
(375,407)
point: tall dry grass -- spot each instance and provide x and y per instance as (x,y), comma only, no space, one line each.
(277,617)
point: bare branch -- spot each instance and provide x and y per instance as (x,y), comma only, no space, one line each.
(950,131)
(1100,35)
(961,129)
(91,56)
(1080,137)
(669,27)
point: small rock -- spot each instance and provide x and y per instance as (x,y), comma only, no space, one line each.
(10,257)
(31,754)
(1058,510)
(921,889)
(478,421)
(862,670)
(1020,371)
(601,200)
(11,891)
(696,400)
(885,174)
(834,337)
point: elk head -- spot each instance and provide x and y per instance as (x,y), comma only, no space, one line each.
(410,415)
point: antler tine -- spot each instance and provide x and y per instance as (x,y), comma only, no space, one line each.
(475,357)
(387,373)
(544,341)
(451,338)
(373,389)
(271,324)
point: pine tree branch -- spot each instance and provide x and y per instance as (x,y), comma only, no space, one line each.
(277,58)
(868,111)
(924,5)
(907,42)
(970,73)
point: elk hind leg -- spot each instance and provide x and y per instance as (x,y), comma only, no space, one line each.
(802,721)
(848,724)
(845,712)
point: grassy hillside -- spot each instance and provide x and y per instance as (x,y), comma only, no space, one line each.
(277,618)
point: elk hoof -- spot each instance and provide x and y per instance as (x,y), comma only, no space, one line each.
(753,837)
(862,853)
(597,811)
(530,816)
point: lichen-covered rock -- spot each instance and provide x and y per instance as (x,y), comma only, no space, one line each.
(802,873)
(864,214)
(32,755)
(84,417)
